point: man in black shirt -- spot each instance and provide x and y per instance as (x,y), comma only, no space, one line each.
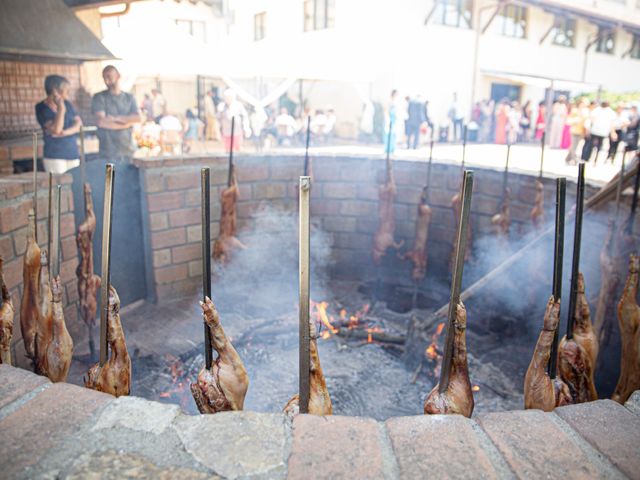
(116,112)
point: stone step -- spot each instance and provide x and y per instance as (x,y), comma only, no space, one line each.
(65,431)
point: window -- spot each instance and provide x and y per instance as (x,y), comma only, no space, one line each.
(606,41)
(454,13)
(259,25)
(564,32)
(319,14)
(635,47)
(512,21)
(195,28)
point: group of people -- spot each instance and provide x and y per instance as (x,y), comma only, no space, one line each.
(115,111)
(580,127)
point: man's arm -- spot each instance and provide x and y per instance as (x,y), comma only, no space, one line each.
(109,122)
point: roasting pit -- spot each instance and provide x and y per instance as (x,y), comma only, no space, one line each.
(366,377)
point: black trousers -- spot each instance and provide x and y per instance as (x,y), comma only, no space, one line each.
(613,145)
(591,142)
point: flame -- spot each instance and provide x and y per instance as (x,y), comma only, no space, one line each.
(439,329)
(321,310)
(431,352)
(475,388)
(369,335)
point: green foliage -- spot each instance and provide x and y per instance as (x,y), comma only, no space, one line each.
(612,97)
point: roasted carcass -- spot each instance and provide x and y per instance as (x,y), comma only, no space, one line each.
(537,213)
(418,255)
(577,356)
(383,238)
(44,326)
(540,390)
(629,321)
(456,205)
(224,386)
(114,376)
(88,281)
(319,399)
(227,242)
(501,221)
(6,321)
(54,355)
(29,309)
(458,397)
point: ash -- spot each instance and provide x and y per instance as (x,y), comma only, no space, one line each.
(364,379)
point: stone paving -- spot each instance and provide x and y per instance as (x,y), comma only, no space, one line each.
(65,431)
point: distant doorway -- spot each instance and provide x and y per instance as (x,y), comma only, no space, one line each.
(500,91)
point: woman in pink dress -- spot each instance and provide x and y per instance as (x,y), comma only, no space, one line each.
(566,131)
(540,121)
(502,117)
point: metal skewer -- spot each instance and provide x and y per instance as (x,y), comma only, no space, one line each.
(35,182)
(206,255)
(634,201)
(83,166)
(233,127)
(54,253)
(304,251)
(464,145)
(577,240)
(389,150)
(620,182)
(558,254)
(542,141)
(106,260)
(49,218)
(306,148)
(456,282)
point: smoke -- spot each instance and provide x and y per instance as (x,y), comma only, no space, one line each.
(268,268)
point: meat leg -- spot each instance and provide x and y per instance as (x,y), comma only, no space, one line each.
(458,397)
(88,281)
(227,242)
(418,255)
(540,390)
(6,321)
(60,349)
(384,236)
(629,322)
(319,399)
(29,310)
(224,386)
(114,376)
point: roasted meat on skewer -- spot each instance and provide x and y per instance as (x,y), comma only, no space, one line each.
(577,356)
(458,397)
(537,212)
(224,386)
(114,376)
(456,205)
(383,238)
(501,221)
(29,309)
(418,255)
(54,359)
(540,390)
(88,281)
(44,327)
(319,399)
(6,321)
(227,242)
(629,321)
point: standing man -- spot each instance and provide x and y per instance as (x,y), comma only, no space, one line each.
(116,112)
(601,127)
(416,118)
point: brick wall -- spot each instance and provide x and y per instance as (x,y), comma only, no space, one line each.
(16,198)
(344,204)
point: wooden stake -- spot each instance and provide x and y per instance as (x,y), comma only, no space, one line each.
(304,252)
(106,260)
